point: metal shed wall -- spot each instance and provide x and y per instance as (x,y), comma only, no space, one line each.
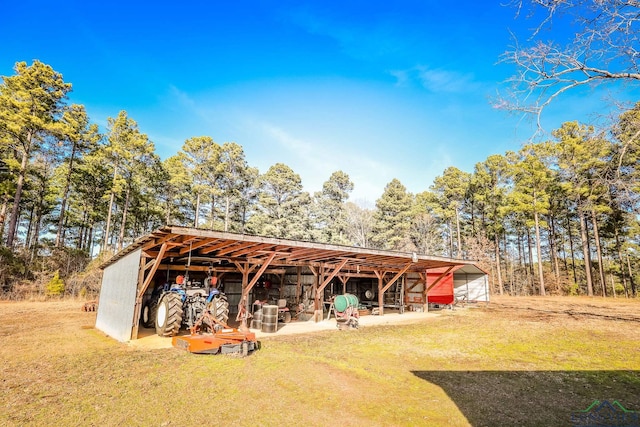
(473,284)
(442,292)
(118,297)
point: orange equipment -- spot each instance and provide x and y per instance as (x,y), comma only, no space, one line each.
(220,340)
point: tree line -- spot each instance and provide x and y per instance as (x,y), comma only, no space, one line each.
(559,216)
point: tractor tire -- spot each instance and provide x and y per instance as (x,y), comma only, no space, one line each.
(169,315)
(219,308)
(149,312)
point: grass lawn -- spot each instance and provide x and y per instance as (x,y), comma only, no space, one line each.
(517,362)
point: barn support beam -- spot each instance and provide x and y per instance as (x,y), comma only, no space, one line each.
(298,284)
(319,297)
(344,280)
(243,313)
(382,288)
(145,284)
(380,275)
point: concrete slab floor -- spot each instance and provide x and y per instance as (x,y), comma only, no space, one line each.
(148,339)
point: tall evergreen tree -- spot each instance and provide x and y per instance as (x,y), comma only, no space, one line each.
(201,157)
(330,202)
(30,104)
(451,188)
(580,155)
(282,209)
(234,176)
(128,152)
(77,137)
(530,196)
(392,218)
(491,181)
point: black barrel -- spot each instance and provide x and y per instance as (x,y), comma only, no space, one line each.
(269,327)
(269,309)
(269,318)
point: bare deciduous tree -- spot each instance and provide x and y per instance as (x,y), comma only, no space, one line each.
(604,48)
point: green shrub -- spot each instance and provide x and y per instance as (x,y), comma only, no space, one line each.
(55,287)
(574,289)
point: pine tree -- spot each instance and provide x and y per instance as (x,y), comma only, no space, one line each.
(283,208)
(128,152)
(201,158)
(30,104)
(77,137)
(451,189)
(330,205)
(532,182)
(392,217)
(490,181)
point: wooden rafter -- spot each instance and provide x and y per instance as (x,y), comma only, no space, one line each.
(220,245)
(249,248)
(197,245)
(160,241)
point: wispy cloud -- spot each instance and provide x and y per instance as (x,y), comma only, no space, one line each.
(436,80)
(315,161)
(364,40)
(302,149)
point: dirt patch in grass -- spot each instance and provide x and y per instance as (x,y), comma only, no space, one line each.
(519,361)
(580,307)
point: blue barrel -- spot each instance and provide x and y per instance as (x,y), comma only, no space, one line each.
(342,302)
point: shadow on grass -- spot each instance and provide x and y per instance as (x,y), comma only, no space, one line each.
(533,398)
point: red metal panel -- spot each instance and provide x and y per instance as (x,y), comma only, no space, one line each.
(442,292)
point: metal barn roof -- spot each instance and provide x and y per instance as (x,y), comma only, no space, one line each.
(200,245)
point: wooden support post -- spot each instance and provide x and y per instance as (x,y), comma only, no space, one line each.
(298,284)
(145,284)
(344,280)
(319,300)
(382,288)
(317,311)
(263,267)
(332,275)
(425,296)
(380,275)
(243,306)
(135,325)
(244,269)
(281,277)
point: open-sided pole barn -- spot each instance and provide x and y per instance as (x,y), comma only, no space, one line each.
(307,269)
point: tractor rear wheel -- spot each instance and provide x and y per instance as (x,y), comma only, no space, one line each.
(169,315)
(149,310)
(219,308)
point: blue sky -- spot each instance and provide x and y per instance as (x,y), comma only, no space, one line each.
(380,90)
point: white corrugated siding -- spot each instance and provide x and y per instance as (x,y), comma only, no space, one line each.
(471,284)
(118,297)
